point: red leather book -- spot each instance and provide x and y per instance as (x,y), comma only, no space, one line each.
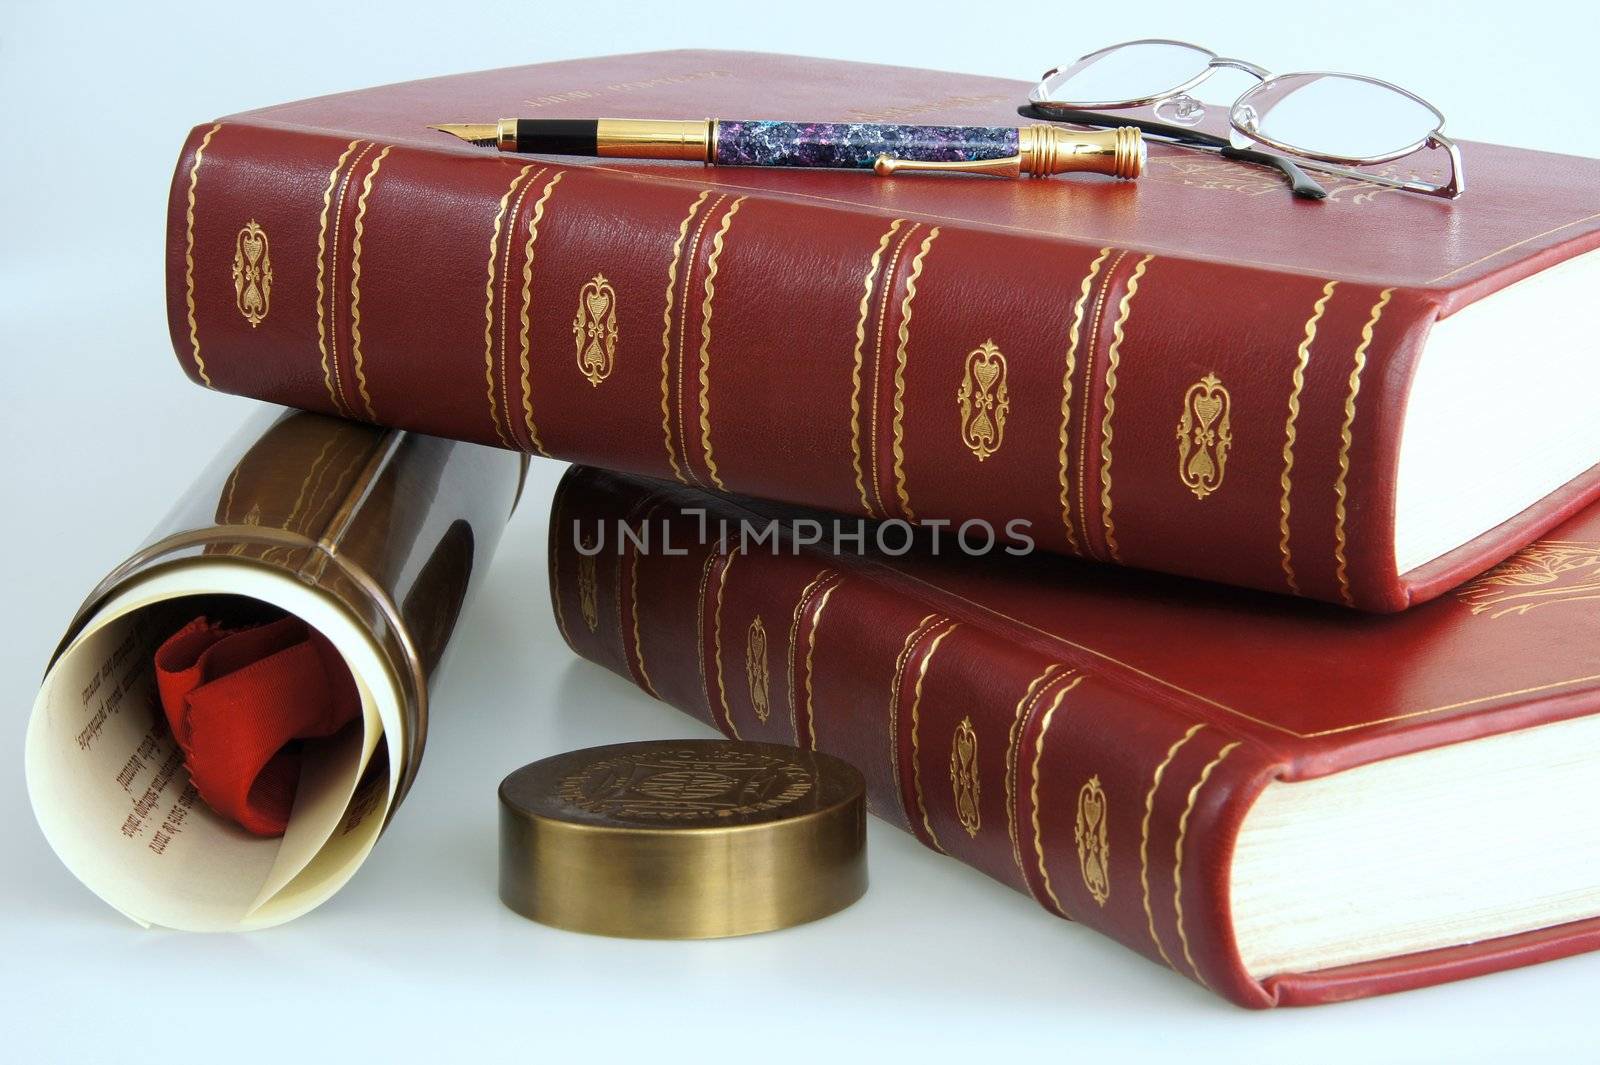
(1194,372)
(1285,801)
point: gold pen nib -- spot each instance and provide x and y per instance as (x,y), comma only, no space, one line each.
(483,134)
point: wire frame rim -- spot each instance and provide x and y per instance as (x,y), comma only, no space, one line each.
(1039,97)
(1239,122)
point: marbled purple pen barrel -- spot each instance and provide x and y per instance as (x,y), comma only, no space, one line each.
(1038,150)
(855,145)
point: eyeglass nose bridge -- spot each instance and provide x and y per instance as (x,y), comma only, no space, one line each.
(1257,72)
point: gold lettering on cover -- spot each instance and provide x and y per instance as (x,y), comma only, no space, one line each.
(722,687)
(252,273)
(1177,868)
(1113,360)
(807,595)
(873,266)
(1205,436)
(1023,713)
(912,639)
(984,400)
(964,783)
(355,282)
(1144,837)
(527,303)
(712,263)
(1073,333)
(188,255)
(1298,384)
(1546,573)
(666,334)
(1346,439)
(877,365)
(588,598)
(900,375)
(1092,836)
(1038,757)
(329,370)
(755,670)
(916,754)
(488,306)
(594,330)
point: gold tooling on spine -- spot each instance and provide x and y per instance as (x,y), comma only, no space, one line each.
(527,298)
(1346,439)
(322,271)
(873,267)
(1144,837)
(1038,757)
(1024,710)
(1066,391)
(722,689)
(188,255)
(877,363)
(666,335)
(916,758)
(1302,359)
(806,595)
(488,306)
(1113,359)
(900,375)
(355,282)
(1177,869)
(683,337)
(705,340)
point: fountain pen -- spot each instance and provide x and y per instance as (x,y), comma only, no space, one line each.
(1000,151)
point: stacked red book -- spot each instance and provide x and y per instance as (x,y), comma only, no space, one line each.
(1364,400)
(1367,401)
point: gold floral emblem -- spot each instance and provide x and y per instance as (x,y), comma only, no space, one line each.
(984,400)
(595,329)
(252,273)
(1205,436)
(1094,845)
(964,775)
(588,597)
(1543,574)
(755,669)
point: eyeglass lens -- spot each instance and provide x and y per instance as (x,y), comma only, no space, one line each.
(1136,71)
(1334,115)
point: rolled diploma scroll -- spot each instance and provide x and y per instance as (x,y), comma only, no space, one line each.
(375,538)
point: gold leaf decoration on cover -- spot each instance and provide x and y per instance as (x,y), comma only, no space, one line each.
(1094,844)
(1543,574)
(1205,436)
(588,593)
(594,330)
(252,273)
(964,776)
(984,400)
(755,670)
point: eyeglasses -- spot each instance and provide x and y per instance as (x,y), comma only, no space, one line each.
(1328,122)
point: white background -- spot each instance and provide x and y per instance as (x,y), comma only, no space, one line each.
(415,959)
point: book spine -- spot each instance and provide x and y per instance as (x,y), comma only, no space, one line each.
(1106,805)
(1222,421)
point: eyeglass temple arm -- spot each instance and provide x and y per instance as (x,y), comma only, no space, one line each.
(1301,183)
